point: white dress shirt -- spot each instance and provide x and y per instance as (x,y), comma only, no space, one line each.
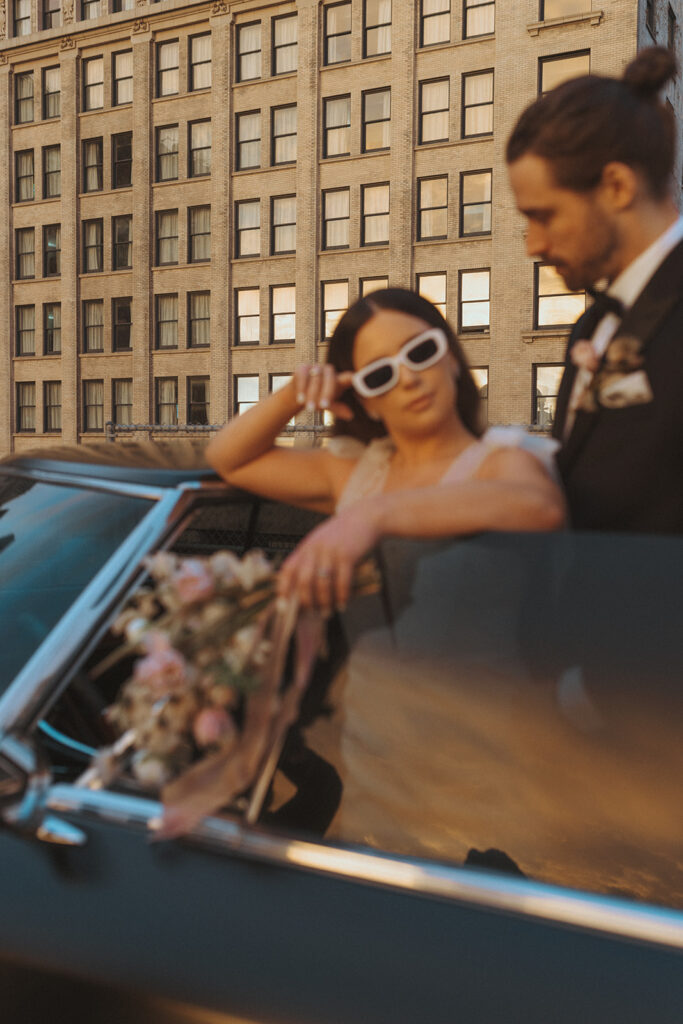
(626,287)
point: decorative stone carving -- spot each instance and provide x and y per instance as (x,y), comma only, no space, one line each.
(140,3)
(220,7)
(68,12)
(3,19)
(3,58)
(140,25)
(67,43)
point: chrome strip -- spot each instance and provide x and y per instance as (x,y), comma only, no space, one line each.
(613,917)
(31,688)
(90,483)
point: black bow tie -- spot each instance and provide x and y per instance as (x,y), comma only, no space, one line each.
(605,304)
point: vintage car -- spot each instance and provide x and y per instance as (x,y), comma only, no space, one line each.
(477,816)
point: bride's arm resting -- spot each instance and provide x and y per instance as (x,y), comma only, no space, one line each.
(245,454)
(511,492)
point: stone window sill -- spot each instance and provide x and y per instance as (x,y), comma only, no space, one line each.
(594,17)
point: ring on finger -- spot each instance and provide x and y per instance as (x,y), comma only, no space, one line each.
(315,371)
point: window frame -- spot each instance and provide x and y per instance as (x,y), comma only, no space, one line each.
(47,98)
(98,143)
(18,178)
(193,64)
(367,28)
(442,305)
(472,5)
(365,123)
(535,367)
(117,246)
(54,252)
(98,247)
(537,326)
(327,100)
(325,310)
(240,54)
(240,118)
(483,329)
(274,138)
(424,20)
(90,62)
(336,35)
(274,251)
(364,189)
(466,77)
(239,317)
(554,58)
(421,112)
(160,90)
(50,334)
(118,324)
(158,381)
(48,407)
(117,162)
(49,174)
(117,404)
(421,237)
(160,239)
(462,204)
(192,149)
(192,320)
(236,403)
(171,156)
(23,406)
(93,327)
(21,21)
(193,235)
(24,232)
(327,220)
(18,100)
(275,47)
(238,230)
(159,323)
(272,340)
(196,379)
(21,349)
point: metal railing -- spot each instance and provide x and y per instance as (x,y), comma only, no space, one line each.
(154,431)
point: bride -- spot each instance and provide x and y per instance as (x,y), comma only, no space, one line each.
(397,381)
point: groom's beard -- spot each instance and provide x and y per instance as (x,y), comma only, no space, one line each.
(597,255)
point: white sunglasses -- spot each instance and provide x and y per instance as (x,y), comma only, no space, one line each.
(417,354)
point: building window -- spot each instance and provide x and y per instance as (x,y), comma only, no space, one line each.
(199,319)
(92,165)
(545,386)
(122,242)
(200,62)
(167,321)
(555,305)
(121,324)
(23,98)
(376,120)
(52,172)
(246,392)
(477,104)
(167,152)
(375,214)
(93,256)
(480,375)
(168,78)
(198,400)
(52,328)
(479,18)
(52,96)
(52,250)
(432,207)
(283,149)
(336,205)
(122,401)
(433,288)
(22,17)
(200,149)
(90,9)
(435,22)
(249,51)
(93,83)
(248,140)
(167,237)
(335,303)
(52,14)
(248,228)
(434,103)
(283,313)
(247,316)
(166,401)
(285,44)
(93,325)
(26,406)
(337,33)
(123,78)
(122,160)
(199,244)
(337,126)
(24,186)
(376,27)
(563,8)
(52,406)
(553,71)
(26,330)
(368,285)
(475,203)
(283,221)
(25,253)
(123,5)
(475,300)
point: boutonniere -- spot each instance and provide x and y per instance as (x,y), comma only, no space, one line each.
(620,380)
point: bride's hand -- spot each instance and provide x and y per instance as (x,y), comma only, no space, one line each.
(319,386)
(319,572)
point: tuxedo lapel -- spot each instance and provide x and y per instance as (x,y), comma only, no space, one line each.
(643,320)
(583,328)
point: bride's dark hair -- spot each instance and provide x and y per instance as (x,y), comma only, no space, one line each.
(340,355)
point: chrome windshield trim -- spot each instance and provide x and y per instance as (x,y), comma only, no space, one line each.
(91,483)
(30,689)
(606,915)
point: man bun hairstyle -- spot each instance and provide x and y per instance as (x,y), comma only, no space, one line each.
(587,122)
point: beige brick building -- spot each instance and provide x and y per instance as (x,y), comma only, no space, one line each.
(194,191)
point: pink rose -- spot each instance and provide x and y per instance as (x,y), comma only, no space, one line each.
(192,581)
(162,671)
(211,726)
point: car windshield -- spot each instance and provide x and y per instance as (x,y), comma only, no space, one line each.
(53,540)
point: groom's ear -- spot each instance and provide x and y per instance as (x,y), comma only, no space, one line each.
(620,186)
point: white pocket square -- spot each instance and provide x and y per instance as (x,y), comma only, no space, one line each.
(626,389)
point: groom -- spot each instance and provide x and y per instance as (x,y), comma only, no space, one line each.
(591,167)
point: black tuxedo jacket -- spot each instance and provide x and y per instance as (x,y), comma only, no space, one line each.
(623,468)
